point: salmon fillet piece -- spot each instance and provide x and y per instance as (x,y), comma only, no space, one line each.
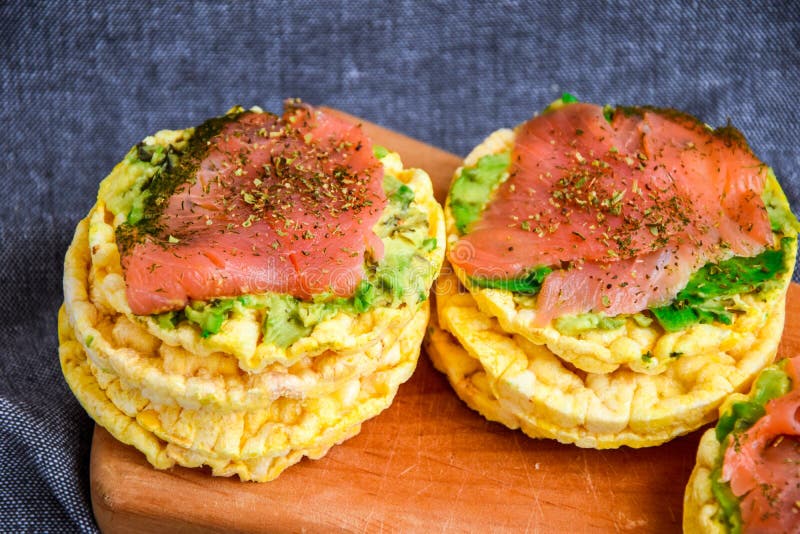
(258,203)
(624,210)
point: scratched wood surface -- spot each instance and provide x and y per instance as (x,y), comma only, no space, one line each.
(427,463)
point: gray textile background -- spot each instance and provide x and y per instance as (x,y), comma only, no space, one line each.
(83,81)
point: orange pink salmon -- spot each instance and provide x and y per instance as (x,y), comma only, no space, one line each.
(624,209)
(273,203)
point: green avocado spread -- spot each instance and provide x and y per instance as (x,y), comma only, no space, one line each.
(709,294)
(473,188)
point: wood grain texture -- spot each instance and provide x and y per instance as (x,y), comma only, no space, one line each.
(428,463)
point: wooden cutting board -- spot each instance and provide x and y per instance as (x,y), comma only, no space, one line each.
(428,463)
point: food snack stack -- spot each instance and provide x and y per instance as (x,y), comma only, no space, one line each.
(625,270)
(248,292)
(747,475)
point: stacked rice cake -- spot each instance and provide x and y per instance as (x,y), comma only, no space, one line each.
(250,383)
(583,375)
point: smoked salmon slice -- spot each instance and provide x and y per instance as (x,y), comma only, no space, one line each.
(623,209)
(257,203)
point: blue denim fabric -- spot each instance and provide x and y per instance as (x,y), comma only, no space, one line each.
(83,81)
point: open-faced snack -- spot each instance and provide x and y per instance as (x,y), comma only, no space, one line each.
(747,475)
(642,254)
(249,291)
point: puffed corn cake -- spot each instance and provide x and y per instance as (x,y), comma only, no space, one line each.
(592,297)
(248,292)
